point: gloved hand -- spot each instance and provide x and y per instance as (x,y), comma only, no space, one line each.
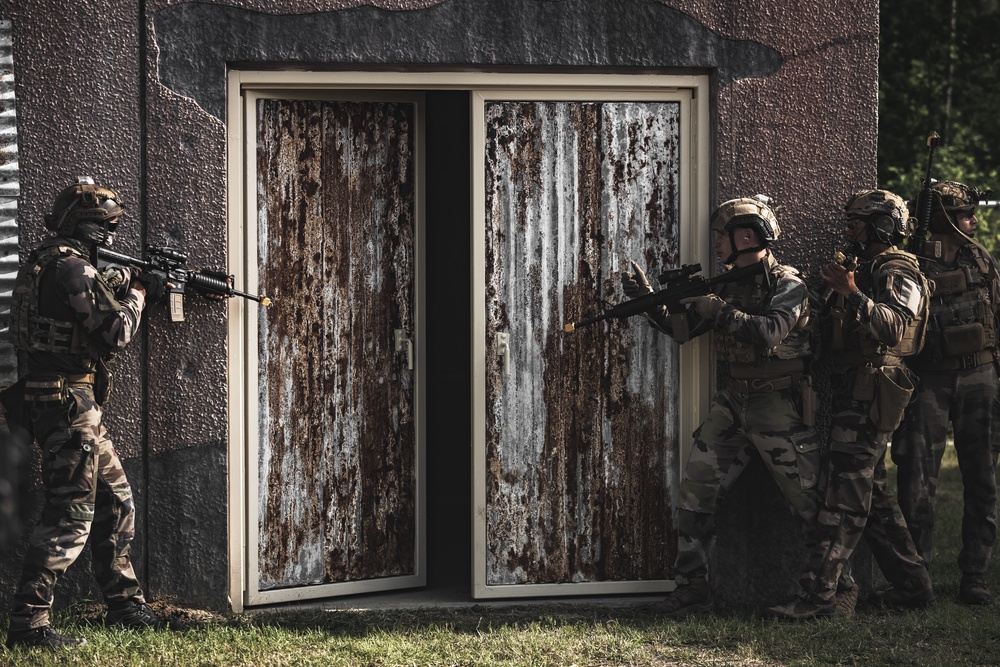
(154,284)
(707,306)
(635,284)
(117,276)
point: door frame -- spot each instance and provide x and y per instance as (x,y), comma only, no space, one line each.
(694,357)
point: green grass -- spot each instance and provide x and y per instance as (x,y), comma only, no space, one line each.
(561,634)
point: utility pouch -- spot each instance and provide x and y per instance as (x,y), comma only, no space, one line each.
(963,339)
(680,326)
(45,391)
(809,401)
(893,394)
(864,383)
(837,317)
(950,282)
(103,381)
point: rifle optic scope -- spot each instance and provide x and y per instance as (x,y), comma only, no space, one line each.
(678,273)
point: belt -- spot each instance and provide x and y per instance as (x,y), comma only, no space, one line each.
(54,381)
(759,386)
(952,363)
(768,368)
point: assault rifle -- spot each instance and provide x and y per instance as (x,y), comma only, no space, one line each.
(679,283)
(170,265)
(924,200)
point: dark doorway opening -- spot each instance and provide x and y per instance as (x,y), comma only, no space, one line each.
(448,329)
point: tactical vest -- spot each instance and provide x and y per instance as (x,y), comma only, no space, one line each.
(854,338)
(961,312)
(31,331)
(753,299)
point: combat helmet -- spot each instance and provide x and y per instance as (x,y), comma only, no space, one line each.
(85,211)
(886,214)
(949,198)
(753,212)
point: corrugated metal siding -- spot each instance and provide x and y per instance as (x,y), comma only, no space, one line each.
(337,466)
(582,435)
(9,190)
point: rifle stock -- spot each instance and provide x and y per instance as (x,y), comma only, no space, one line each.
(685,286)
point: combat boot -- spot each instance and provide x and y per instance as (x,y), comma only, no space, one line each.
(973,590)
(803,609)
(846,600)
(43,637)
(692,598)
(133,616)
(914,594)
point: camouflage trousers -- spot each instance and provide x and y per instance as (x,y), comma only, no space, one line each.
(857,502)
(86,495)
(966,399)
(736,427)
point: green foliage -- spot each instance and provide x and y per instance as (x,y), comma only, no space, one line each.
(939,70)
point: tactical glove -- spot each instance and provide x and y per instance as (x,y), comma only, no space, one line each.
(635,284)
(155,285)
(117,276)
(707,306)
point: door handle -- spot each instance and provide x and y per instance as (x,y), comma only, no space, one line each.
(401,341)
(503,350)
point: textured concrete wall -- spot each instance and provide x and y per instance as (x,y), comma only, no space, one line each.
(134,94)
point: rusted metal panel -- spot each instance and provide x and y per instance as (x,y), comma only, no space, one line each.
(337,464)
(581,438)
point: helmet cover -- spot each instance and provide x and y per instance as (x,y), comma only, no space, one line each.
(752,212)
(81,203)
(886,213)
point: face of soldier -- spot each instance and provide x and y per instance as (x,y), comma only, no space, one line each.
(966,223)
(99,234)
(722,246)
(745,239)
(856,238)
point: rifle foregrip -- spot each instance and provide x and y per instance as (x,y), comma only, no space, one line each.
(209,283)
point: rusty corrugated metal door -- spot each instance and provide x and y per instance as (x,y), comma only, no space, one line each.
(580,429)
(337,468)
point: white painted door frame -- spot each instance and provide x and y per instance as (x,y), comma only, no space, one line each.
(695,248)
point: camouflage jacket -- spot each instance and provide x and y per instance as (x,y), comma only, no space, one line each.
(884,321)
(774,320)
(70,290)
(767,317)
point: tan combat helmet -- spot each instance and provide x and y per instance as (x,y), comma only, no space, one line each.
(753,212)
(949,198)
(885,212)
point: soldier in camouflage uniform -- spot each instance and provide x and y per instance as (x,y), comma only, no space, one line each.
(66,322)
(762,330)
(875,319)
(958,383)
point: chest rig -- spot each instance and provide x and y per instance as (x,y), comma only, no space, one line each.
(30,331)
(848,335)
(961,330)
(754,298)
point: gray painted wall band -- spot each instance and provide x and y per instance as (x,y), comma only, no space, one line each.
(198,41)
